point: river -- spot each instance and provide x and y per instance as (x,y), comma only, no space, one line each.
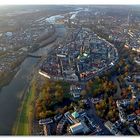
(10,95)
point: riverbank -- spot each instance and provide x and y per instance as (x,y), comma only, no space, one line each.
(5,79)
(23,124)
(7,76)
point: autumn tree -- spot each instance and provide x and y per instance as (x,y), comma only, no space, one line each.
(83,93)
(110,114)
(81,104)
(96,92)
(103,104)
(42,115)
(97,106)
(49,113)
(89,85)
(48,98)
(59,94)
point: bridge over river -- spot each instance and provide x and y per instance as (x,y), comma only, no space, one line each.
(34,55)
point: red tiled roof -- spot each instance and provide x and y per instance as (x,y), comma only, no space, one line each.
(137,111)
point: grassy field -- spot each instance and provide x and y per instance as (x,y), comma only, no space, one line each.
(23,125)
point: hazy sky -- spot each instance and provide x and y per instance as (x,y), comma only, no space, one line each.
(3,2)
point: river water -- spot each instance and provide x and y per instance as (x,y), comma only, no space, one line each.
(10,95)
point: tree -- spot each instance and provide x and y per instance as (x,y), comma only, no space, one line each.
(131,107)
(38,102)
(59,95)
(104,85)
(139,104)
(81,105)
(43,105)
(48,98)
(111,100)
(60,110)
(49,113)
(97,78)
(124,91)
(42,115)
(89,85)
(72,104)
(126,69)
(48,89)
(96,92)
(103,104)
(42,94)
(83,93)
(129,88)
(110,114)
(97,106)
(58,87)
(99,113)
(38,108)
(65,109)
(132,101)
